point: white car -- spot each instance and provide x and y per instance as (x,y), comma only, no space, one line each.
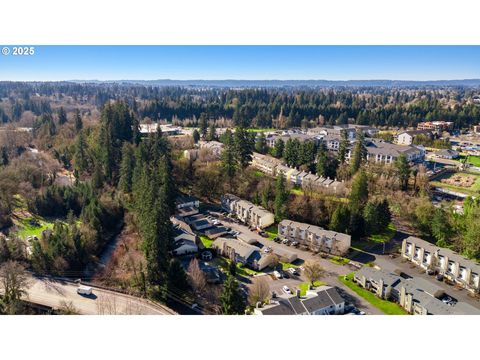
(277,274)
(286,289)
(84,290)
(292,271)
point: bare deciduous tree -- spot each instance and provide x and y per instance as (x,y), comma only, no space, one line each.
(313,271)
(197,278)
(13,285)
(67,308)
(259,291)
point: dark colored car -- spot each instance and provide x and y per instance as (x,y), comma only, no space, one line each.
(439,277)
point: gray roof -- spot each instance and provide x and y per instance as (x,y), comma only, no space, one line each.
(463,261)
(241,248)
(376,275)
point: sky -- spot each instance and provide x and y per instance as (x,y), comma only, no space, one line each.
(53,63)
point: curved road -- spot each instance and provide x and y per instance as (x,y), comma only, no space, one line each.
(56,293)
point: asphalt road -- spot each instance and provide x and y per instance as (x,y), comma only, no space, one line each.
(55,293)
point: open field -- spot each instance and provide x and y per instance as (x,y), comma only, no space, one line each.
(388,307)
(446,181)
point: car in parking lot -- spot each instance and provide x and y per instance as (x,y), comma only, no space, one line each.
(295,243)
(430,272)
(292,271)
(285,275)
(439,277)
(277,274)
(267,250)
(286,289)
(286,242)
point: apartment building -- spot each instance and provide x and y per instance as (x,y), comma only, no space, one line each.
(241,252)
(215,147)
(415,295)
(314,237)
(324,300)
(407,137)
(383,151)
(453,266)
(247,212)
(438,126)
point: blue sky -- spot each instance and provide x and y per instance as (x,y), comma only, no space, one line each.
(243,62)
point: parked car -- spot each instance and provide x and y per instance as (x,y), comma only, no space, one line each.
(277,274)
(286,289)
(207,256)
(292,271)
(263,234)
(430,272)
(439,277)
(267,250)
(84,290)
(285,275)
(295,243)
(286,242)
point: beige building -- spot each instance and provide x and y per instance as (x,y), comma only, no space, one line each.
(455,267)
(314,237)
(247,212)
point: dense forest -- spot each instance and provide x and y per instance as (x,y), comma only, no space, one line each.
(254,107)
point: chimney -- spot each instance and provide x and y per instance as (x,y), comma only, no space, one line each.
(297,293)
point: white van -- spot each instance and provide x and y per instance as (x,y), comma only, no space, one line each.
(84,290)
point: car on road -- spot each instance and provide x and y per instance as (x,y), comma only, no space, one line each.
(277,274)
(286,289)
(84,290)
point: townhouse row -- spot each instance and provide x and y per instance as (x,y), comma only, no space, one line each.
(453,266)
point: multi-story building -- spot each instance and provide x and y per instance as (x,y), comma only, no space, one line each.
(407,137)
(455,267)
(415,295)
(323,300)
(314,237)
(241,252)
(383,151)
(438,126)
(247,212)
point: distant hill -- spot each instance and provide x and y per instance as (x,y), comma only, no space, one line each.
(292,83)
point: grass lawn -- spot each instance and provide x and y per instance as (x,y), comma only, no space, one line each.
(386,236)
(387,307)
(304,286)
(26,229)
(260,130)
(339,260)
(258,173)
(474,160)
(286,266)
(207,243)
(223,263)
(272,231)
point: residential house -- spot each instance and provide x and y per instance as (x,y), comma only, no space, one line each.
(186,205)
(324,300)
(455,267)
(184,242)
(247,212)
(241,252)
(447,154)
(315,237)
(407,137)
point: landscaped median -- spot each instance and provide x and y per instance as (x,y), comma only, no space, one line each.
(387,307)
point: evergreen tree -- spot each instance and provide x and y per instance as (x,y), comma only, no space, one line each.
(340,220)
(78,121)
(62,116)
(359,193)
(358,153)
(229,165)
(376,216)
(212,133)
(261,144)
(343,147)
(126,168)
(4,161)
(403,171)
(177,282)
(196,136)
(202,123)
(322,161)
(243,147)
(278,148)
(281,197)
(231,298)
(80,157)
